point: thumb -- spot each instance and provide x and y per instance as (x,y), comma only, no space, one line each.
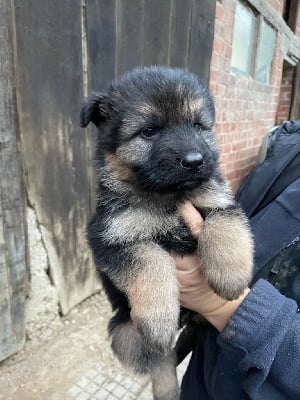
(192,218)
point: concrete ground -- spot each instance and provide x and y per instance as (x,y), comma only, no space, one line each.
(74,363)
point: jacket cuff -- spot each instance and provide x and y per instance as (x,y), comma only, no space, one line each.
(263,311)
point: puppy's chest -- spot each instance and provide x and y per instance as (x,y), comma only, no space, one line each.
(179,240)
(163,227)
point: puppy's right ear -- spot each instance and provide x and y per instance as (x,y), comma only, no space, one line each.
(96,110)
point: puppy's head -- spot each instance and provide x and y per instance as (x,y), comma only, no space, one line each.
(156,125)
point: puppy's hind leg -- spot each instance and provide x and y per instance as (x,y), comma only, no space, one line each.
(164,379)
(134,351)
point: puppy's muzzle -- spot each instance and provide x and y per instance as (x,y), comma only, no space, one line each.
(192,161)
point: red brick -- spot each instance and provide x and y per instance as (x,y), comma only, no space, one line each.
(214,75)
(220,11)
(218,46)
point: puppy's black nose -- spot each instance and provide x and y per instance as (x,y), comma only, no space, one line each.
(192,161)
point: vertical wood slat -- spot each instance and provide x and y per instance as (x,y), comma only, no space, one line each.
(129,22)
(12,232)
(180,33)
(101,36)
(157,20)
(49,70)
(101,16)
(201,40)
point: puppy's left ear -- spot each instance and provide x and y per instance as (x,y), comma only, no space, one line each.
(96,110)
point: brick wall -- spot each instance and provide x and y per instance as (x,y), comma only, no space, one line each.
(245,109)
(284,105)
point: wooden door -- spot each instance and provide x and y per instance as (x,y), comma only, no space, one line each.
(13,275)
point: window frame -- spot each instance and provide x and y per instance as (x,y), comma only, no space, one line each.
(263,21)
(259,20)
(237,70)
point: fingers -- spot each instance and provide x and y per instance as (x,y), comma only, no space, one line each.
(192,217)
(187,262)
(189,279)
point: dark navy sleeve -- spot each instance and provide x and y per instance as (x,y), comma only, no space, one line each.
(256,356)
(266,328)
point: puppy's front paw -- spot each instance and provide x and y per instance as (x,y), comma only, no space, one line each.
(157,328)
(226,249)
(229,286)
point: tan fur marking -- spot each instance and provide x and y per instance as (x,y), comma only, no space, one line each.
(164,381)
(129,347)
(135,150)
(212,195)
(153,294)
(137,118)
(146,109)
(226,250)
(122,171)
(131,123)
(193,105)
(127,341)
(139,223)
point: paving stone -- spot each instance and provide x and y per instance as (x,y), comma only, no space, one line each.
(74,391)
(145,395)
(135,388)
(83,382)
(82,396)
(109,385)
(102,394)
(119,377)
(127,383)
(91,388)
(129,396)
(120,392)
(100,379)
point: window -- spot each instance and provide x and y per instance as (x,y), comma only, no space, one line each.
(243,39)
(253,45)
(265,52)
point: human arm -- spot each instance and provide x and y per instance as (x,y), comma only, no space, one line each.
(257,351)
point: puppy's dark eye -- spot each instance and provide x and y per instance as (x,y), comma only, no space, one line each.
(197,125)
(148,132)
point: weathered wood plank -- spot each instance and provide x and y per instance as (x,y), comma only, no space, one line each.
(129,21)
(101,33)
(12,232)
(180,33)
(101,51)
(50,92)
(202,34)
(9,341)
(157,30)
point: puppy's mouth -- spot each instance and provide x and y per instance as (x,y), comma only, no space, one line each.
(171,176)
(189,184)
(171,184)
(192,182)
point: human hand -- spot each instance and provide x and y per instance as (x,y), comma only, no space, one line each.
(195,293)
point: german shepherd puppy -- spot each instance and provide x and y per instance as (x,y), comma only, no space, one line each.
(155,149)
